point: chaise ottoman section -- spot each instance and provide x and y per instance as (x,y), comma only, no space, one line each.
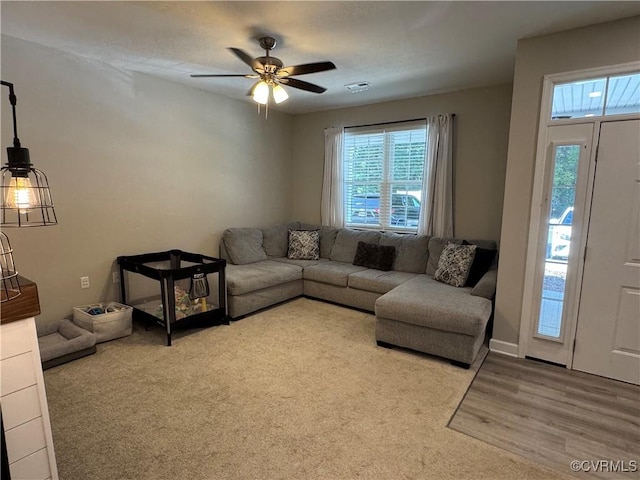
(431,317)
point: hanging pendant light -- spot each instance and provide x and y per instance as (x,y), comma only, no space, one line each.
(25,197)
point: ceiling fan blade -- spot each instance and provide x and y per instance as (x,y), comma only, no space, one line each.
(255,65)
(295,83)
(225,75)
(306,68)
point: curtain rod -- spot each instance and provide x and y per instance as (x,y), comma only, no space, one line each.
(391,123)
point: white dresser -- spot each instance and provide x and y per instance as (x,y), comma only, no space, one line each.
(25,413)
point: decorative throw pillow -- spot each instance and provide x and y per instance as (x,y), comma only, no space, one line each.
(454,264)
(481,263)
(371,255)
(304,245)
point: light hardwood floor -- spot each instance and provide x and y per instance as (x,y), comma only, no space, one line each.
(553,415)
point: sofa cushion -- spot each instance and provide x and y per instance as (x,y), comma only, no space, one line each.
(412,251)
(304,245)
(275,240)
(247,278)
(486,286)
(375,256)
(372,280)
(299,263)
(333,273)
(327,237)
(344,248)
(454,264)
(428,303)
(244,245)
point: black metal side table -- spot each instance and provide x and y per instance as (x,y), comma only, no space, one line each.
(172,269)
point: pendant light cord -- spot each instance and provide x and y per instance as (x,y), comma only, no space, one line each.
(13,99)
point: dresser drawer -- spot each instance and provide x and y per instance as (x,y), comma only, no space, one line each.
(20,407)
(32,467)
(16,338)
(25,439)
(17,373)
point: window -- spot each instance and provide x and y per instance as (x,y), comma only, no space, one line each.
(383,173)
(563,193)
(614,95)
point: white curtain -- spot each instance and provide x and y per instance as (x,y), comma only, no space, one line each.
(332,208)
(436,211)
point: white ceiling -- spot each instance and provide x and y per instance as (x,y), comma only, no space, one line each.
(404,49)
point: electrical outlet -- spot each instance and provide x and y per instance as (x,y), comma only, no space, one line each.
(84,282)
(116,277)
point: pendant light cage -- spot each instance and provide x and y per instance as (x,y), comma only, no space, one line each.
(25,198)
(9,285)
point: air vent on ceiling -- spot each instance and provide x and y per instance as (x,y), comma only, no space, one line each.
(358,87)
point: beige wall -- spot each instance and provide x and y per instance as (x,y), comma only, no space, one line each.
(599,45)
(136,165)
(480,146)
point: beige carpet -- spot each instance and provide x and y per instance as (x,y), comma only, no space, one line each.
(298,391)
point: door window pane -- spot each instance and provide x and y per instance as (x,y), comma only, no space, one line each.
(587,98)
(565,173)
(578,99)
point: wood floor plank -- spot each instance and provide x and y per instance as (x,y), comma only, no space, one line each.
(552,415)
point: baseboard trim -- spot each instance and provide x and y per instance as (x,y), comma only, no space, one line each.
(503,348)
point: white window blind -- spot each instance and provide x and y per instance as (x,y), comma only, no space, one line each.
(383,170)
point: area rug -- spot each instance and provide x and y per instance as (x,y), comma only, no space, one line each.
(299,391)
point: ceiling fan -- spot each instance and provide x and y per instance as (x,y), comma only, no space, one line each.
(272,74)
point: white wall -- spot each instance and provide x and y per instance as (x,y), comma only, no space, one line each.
(136,165)
(589,47)
(481,131)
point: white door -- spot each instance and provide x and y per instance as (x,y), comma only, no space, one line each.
(608,331)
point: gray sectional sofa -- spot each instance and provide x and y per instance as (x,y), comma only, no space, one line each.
(412,309)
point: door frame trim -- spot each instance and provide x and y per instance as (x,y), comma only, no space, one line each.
(538,201)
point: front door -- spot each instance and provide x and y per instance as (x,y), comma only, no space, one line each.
(608,331)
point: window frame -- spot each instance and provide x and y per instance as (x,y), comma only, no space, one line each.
(386,186)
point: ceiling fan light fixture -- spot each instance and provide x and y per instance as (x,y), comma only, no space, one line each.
(271,72)
(279,94)
(261,92)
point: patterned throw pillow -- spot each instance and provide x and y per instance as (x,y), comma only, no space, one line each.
(454,264)
(304,245)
